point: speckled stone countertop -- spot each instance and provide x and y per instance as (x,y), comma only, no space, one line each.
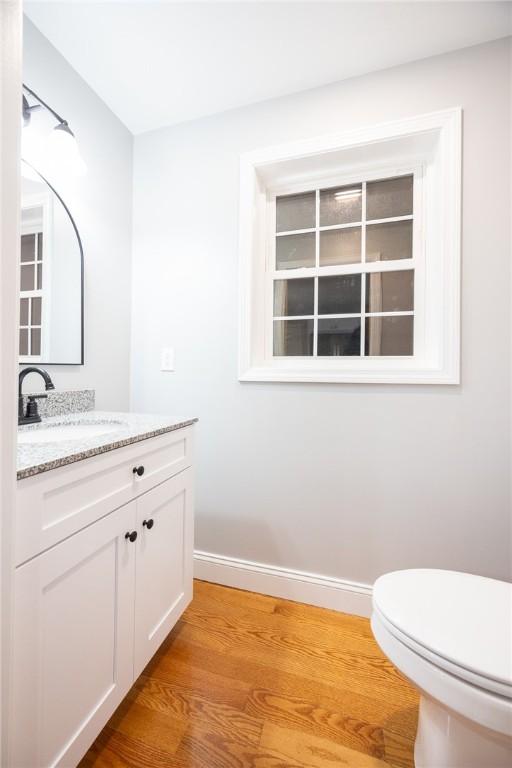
(36,457)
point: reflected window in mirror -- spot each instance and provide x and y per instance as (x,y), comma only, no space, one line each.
(34,214)
(51,277)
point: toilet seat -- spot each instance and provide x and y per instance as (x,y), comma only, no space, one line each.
(430,624)
(457,670)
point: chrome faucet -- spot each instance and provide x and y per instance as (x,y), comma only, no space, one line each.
(32,415)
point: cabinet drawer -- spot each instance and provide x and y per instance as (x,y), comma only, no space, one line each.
(55,504)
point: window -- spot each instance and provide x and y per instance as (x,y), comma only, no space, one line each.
(31,284)
(355,241)
(350,256)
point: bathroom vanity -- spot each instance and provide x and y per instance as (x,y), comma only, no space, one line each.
(104,554)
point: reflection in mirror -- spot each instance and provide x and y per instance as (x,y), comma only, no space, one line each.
(51,277)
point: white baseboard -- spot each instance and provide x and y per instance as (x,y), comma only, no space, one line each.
(324,591)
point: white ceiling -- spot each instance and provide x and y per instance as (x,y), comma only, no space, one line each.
(159,63)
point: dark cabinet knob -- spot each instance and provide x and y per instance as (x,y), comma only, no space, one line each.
(148,523)
(138,471)
(132,536)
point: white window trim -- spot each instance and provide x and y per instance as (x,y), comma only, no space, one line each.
(266,171)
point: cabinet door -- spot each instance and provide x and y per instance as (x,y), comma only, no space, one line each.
(73,642)
(163,583)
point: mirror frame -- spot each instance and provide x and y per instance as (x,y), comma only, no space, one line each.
(82,271)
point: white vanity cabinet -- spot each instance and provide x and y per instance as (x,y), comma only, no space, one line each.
(92,608)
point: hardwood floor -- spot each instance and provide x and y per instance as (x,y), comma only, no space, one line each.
(250,681)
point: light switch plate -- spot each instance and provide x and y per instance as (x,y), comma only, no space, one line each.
(167,359)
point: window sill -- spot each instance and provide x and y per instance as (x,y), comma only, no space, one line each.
(347,376)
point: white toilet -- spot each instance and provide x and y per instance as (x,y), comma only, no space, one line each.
(450,634)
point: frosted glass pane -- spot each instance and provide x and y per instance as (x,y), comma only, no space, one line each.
(340,205)
(23,341)
(27,277)
(388,241)
(28,248)
(293,337)
(340,246)
(294,297)
(40,246)
(389,335)
(391,197)
(295,212)
(24,311)
(339,295)
(294,251)
(339,336)
(35,341)
(36,311)
(390,291)
(39,276)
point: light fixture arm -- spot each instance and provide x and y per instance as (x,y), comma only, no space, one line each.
(44,104)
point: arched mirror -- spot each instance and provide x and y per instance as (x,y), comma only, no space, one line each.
(51,277)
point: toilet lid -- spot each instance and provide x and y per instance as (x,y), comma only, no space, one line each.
(463,620)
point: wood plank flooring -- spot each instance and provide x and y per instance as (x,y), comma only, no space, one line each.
(250,681)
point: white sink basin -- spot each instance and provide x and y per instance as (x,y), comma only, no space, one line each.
(52,434)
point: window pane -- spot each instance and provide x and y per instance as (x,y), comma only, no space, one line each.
(294,297)
(390,291)
(35,348)
(24,311)
(340,205)
(27,277)
(295,212)
(293,337)
(23,341)
(28,247)
(391,197)
(340,246)
(39,276)
(339,336)
(389,241)
(36,311)
(339,295)
(389,335)
(40,246)
(294,251)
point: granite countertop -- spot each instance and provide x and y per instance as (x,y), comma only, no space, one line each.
(36,457)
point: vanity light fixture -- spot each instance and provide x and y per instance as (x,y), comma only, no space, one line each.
(60,148)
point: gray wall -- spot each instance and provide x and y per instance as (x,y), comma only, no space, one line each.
(101,203)
(345,481)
